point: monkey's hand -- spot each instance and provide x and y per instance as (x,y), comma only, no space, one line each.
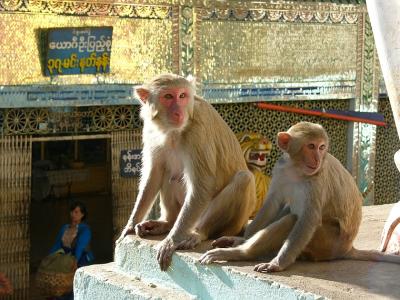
(165,250)
(152,227)
(272,266)
(129,229)
(228,241)
(167,247)
(219,254)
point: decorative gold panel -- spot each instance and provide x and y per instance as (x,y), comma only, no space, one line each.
(141,48)
(277,51)
(254,52)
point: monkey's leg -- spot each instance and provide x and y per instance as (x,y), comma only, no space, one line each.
(265,241)
(328,242)
(171,198)
(271,238)
(229,211)
(233,241)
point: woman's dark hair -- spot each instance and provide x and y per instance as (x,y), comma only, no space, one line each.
(81,206)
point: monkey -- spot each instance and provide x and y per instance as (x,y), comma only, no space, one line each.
(193,161)
(312,209)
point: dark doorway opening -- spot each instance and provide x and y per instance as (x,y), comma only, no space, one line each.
(64,171)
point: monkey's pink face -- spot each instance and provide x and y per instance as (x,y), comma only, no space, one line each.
(312,154)
(175,101)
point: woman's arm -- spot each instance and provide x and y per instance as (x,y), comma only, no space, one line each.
(82,240)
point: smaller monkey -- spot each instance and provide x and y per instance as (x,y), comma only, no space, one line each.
(193,161)
(312,210)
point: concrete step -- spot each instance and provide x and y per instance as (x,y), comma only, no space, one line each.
(137,275)
(137,257)
(105,282)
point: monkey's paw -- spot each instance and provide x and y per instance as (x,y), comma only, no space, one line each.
(228,241)
(219,254)
(166,248)
(152,227)
(268,267)
(190,241)
(129,229)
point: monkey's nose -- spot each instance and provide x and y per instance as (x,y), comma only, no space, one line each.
(177,117)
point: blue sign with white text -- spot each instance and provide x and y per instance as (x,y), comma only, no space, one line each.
(130,163)
(81,50)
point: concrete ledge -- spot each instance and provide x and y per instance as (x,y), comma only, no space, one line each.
(135,258)
(105,282)
(303,280)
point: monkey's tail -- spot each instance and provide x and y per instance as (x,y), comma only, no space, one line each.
(371,255)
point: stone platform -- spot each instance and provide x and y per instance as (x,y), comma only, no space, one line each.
(135,274)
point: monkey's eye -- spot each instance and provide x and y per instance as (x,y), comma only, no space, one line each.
(311,146)
(322,147)
(183,95)
(168,96)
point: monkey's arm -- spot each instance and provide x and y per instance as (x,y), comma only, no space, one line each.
(266,215)
(298,238)
(195,204)
(150,184)
(182,235)
(149,187)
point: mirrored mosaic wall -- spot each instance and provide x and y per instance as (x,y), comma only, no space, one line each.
(387,176)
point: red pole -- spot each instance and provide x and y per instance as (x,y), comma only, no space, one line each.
(322,114)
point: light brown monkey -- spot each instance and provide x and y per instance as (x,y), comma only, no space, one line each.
(312,210)
(192,159)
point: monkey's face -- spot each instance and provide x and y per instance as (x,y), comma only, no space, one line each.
(312,155)
(174,101)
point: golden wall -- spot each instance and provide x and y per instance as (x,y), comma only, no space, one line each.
(232,44)
(138,44)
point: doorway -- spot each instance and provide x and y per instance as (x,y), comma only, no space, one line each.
(66,170)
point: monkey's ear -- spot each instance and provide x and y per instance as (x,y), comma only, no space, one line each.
(192,80)
(283,140)
(143,94)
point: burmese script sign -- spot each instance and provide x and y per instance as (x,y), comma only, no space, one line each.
(81,50)
(130,163)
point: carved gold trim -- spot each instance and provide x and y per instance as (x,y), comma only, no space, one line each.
(176,43)
(328,13)
(187,40)
(355,163)
(254,9)
(89,8)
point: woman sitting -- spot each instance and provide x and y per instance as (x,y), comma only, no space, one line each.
(75,237)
